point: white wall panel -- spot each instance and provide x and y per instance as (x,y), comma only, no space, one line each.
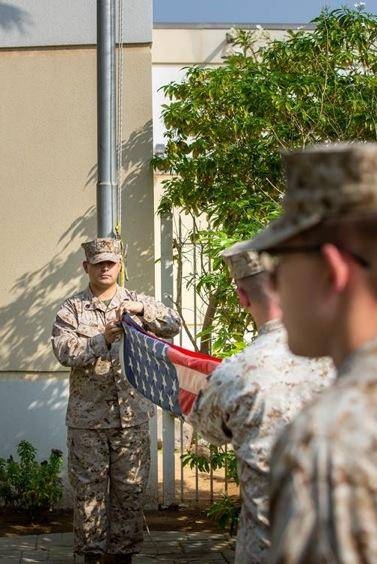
(33,23)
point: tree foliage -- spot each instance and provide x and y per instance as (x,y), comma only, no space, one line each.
(226,127)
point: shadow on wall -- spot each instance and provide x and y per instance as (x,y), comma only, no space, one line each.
(137,207)
(12,17)
(25,323)
(33,405)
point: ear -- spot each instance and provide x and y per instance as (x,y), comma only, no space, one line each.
(85,266)
(339,268)
(243,297)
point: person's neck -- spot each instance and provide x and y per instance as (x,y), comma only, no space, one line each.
(103,294)
(263,314)
(350,343)
(355,329)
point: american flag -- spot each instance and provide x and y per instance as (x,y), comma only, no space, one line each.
(167,375)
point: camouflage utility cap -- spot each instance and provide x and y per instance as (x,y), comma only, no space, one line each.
(241,262)
(323,182)
(101,250)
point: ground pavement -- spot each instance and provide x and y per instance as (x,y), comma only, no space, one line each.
(159,546)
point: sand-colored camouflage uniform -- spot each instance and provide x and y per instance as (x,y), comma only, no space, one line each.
(250,397)
(107,419)
(99,396)
(324,466)
(324,472)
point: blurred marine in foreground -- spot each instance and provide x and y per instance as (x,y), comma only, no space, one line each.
(322,254)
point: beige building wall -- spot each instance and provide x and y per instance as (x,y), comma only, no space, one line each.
(48,188)
(48,158)
(200,44)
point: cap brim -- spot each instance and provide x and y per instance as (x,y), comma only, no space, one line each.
(280,230)
(235,249)
(102,257)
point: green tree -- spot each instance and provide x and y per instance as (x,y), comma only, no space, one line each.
(226,127)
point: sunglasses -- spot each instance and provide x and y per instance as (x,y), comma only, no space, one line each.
(271,259)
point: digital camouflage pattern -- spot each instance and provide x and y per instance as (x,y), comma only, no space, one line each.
(240,262)
(99,396)
(249,399)
(108,522)
(103,249)
(324,473)
(107,420)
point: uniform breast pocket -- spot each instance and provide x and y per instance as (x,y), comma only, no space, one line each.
(87,330)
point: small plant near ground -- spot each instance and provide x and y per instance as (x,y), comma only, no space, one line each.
(211,457)
(28,485)
(227,509)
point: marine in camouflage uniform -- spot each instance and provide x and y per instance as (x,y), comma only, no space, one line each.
(251,396)
(108,440)
(322,254)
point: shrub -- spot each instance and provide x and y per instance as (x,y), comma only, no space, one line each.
(227,509)
(214,457)
(28,485)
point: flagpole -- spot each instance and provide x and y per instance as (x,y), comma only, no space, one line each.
(106,108)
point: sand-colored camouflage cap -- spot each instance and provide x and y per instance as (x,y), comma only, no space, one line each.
(100,250)
(241,262)
(323,182)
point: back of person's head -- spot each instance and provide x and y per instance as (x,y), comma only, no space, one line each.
(257,287)
(252,281)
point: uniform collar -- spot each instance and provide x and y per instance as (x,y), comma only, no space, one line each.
(92,302)
(270,326)
(365,354)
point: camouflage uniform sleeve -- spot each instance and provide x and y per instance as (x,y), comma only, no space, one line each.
(225,406)
(300,501)
(73,346)
(158,318)
(284,480)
